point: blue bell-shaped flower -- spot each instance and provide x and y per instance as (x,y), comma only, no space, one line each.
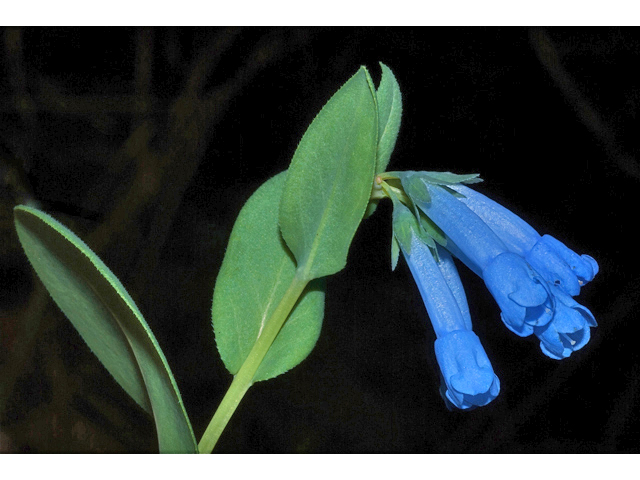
(524,300)
(466,369)
(553,260)
(569,330)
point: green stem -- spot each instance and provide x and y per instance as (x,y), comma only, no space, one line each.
(244,378)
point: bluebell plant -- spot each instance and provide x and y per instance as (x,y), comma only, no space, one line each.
(296,230)
(532,278)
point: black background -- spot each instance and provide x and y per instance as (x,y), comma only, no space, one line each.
(546,116)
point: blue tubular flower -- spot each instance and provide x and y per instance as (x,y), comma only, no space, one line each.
(520,292)
(554,261)
(569,330)
(466,370)
(532,282)
(560,265)
(440,288)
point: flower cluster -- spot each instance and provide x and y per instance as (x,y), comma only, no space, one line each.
(533,278)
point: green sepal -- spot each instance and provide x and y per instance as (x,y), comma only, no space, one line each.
(414,186)
(448,178)
(406,227)
(415,183)
(395,252)
(432,230)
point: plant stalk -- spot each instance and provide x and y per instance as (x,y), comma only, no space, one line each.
(244,378)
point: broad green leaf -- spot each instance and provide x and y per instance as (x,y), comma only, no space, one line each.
(330,178)
(389,116)
(108,320)
(256,271)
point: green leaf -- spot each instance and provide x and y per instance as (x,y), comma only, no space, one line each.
(389,104)
(256,271)
(108,320)
(389,116)
(330,178)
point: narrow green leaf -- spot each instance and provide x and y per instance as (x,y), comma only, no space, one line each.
(389,105)
(330,178)
(256,271)
(389,116)
(108,320)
